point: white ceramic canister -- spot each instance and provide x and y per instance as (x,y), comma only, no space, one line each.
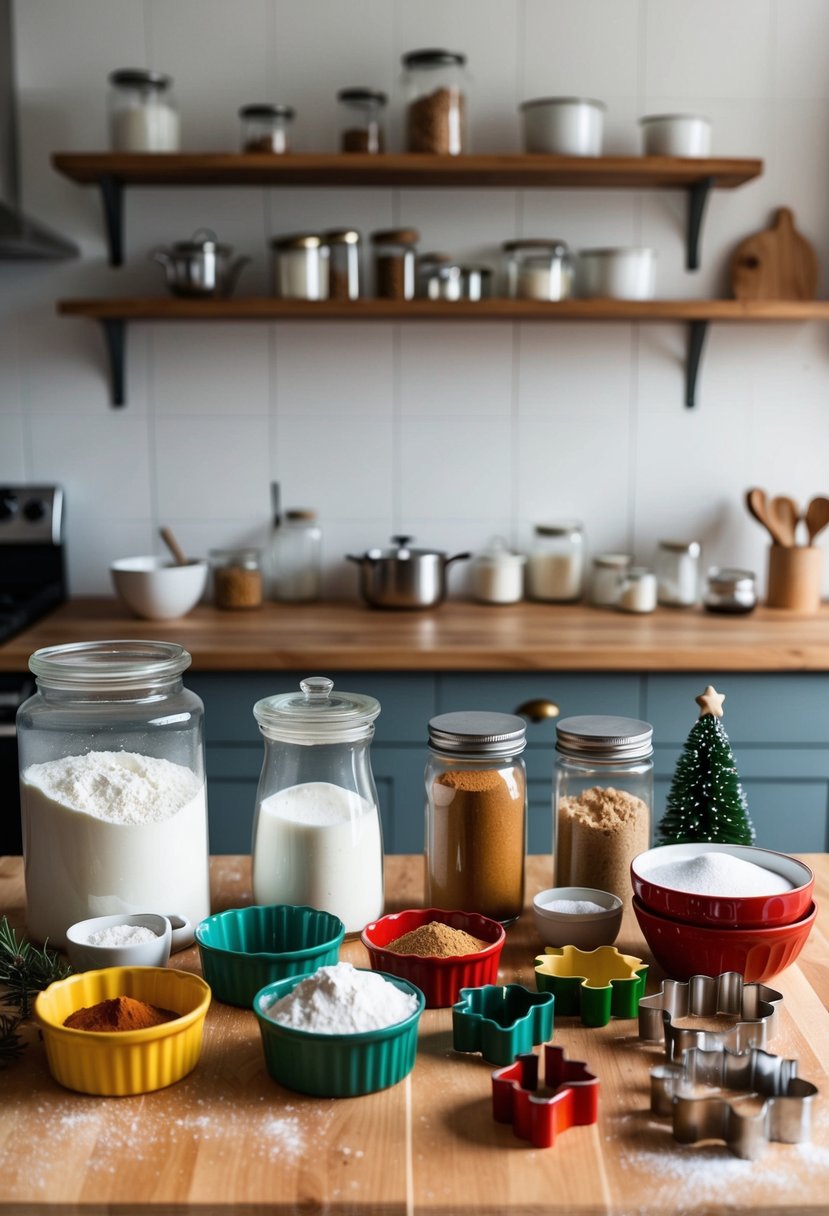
(676,135)
(563,126)
(300,267)
(637,590)
(498,574)
(626,273)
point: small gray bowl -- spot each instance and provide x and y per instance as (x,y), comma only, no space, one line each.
(584,930)
(84,956)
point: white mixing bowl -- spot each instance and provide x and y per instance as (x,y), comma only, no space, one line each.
(155,589)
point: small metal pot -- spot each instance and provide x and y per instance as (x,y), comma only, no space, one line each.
(402,577)
(200,266)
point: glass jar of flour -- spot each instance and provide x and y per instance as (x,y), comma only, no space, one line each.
(555,569)
(316,834)
(142,113)
(112,786)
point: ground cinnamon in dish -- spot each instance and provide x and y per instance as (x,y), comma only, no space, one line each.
(600,831)
(118,1014)
(437,940)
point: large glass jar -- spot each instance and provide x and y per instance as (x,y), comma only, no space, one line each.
(476,814)
(435,85)
(296,557)
(112,786)
(362,120)
(237,578)
(316,834)
(267,128)
(395,250)
(538,270)
(300,267)
(677,573)
(555,568)
(602,800)
(142,113)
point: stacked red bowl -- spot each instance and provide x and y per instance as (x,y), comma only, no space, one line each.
(706,908)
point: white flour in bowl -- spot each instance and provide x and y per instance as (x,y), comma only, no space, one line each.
(342,1000)
(122,935)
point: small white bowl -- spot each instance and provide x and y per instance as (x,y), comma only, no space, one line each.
(584,930)
(676,135)
(563,126)
(626,273)
(173,932)
(155,589)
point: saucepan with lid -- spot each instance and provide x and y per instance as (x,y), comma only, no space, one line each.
(403,577)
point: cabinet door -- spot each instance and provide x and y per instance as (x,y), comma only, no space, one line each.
(232,778)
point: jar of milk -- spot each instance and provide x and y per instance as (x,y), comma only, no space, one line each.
(112,786)
(316,834)
(142,113)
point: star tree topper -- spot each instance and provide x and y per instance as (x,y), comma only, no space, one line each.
(710,702)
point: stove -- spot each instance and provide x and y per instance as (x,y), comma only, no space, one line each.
(32,566)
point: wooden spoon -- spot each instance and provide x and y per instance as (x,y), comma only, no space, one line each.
(785,513)
(817,516)
(758,507)
(175,548)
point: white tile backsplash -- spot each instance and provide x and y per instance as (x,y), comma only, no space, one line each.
(454,431)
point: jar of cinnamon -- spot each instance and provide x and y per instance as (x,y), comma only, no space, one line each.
(476,814)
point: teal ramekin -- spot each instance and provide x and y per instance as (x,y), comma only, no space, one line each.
(243,949)
(337,1065)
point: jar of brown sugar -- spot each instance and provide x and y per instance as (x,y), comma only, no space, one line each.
(237,577)
(436,86)
(395,250)
(602,800)
(362,120)
(476,814)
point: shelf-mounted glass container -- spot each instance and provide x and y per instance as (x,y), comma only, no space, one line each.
(362,120)
(142,112)
(267,128)
(436,86)
(395,255)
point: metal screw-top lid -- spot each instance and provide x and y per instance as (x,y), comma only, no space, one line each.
(602,737)
(727,578)
(341,236)
(553,246)
(299,240)
(478,733)
(316,714)
(433,57)
(266,109)
(360,98)
(564,528)
(681,546)
(139,78)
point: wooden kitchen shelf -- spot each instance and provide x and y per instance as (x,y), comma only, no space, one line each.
(112,172)
(113,314)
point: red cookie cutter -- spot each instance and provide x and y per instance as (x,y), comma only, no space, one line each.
(539,1117)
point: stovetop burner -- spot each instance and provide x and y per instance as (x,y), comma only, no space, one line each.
(32,573)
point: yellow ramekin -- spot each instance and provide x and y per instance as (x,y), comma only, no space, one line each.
(117,1063)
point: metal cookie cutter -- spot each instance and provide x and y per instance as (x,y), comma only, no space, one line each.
(539,1117)
(786,1114)
(500,1021)
(704,996)
(593,984)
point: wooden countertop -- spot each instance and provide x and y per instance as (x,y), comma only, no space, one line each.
(227,1140)
(457,636)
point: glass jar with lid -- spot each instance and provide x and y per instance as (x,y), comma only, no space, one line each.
(112,785)
(538,270)
(729,590)
(637,590)
(498,574)
(395,251)
(267,128)
(476,813)
(142,112)
(476,282)
(296,557)
(555,567)
(435,84)
(677,573)
(237,577)
(343,263)
(300,266)
(316,834)
(606,578)
(602,800)
(439,277)
(362,120)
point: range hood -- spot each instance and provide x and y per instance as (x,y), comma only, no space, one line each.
(20,235)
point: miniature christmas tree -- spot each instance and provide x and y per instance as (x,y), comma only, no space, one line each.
(706,801)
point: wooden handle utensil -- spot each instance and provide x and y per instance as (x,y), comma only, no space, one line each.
(817,516)
(175,548)
(785,514)
(758,506)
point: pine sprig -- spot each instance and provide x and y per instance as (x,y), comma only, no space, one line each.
(25,969)
(11,1044)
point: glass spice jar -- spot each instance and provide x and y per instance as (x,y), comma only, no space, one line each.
(343,263)
(729,590)
(677,573)
(606,577)
(637,590)
(362,120)
(237,577)
(476,282)
(555,568)
(142,113)
(267,128)
(602,800)
(476,814)
(538,270)
(395,252)
(435,84)
(300,267)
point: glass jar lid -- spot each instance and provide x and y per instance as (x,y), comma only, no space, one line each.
(726,578)
(341,236)
(497,553)
(316,714)
(554,245)
(139,78)
(478,733)
(603,737)
(432,57)
(396,236)
(109,666)
(565,528)
(266,110)
(362,98)
(249,559)
(636,573)
(612,561)
(299,240)
(681,546)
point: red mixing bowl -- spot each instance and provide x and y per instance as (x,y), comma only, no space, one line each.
(724,911)
(683,950)
(439,979)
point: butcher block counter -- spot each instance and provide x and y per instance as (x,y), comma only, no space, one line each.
(228,1141)
(457,636)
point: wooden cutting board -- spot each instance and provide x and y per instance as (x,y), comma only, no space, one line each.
(775,264)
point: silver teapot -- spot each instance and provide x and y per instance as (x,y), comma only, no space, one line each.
(200,266)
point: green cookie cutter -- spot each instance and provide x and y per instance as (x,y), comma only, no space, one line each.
(501,1021)
(593,984)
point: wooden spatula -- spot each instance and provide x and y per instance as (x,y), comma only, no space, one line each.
(775,264)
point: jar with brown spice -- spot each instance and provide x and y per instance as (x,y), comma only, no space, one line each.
(237,577)
(343,263)
(435,83)
(602,800)
(266,128)
(476,814)
(395,253)
(362,120)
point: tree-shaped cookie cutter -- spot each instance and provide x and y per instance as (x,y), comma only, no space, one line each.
(705,996)
(500,1021)
(540,1117)
(593,984)
(785,1115)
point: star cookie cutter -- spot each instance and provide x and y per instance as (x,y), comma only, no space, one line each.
(500,1021)
(786,1115)
(705,996)
(540,1117)
(595,984)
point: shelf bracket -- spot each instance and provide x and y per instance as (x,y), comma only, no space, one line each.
(697,198)
(115,336)
(696,340)
(112,197)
